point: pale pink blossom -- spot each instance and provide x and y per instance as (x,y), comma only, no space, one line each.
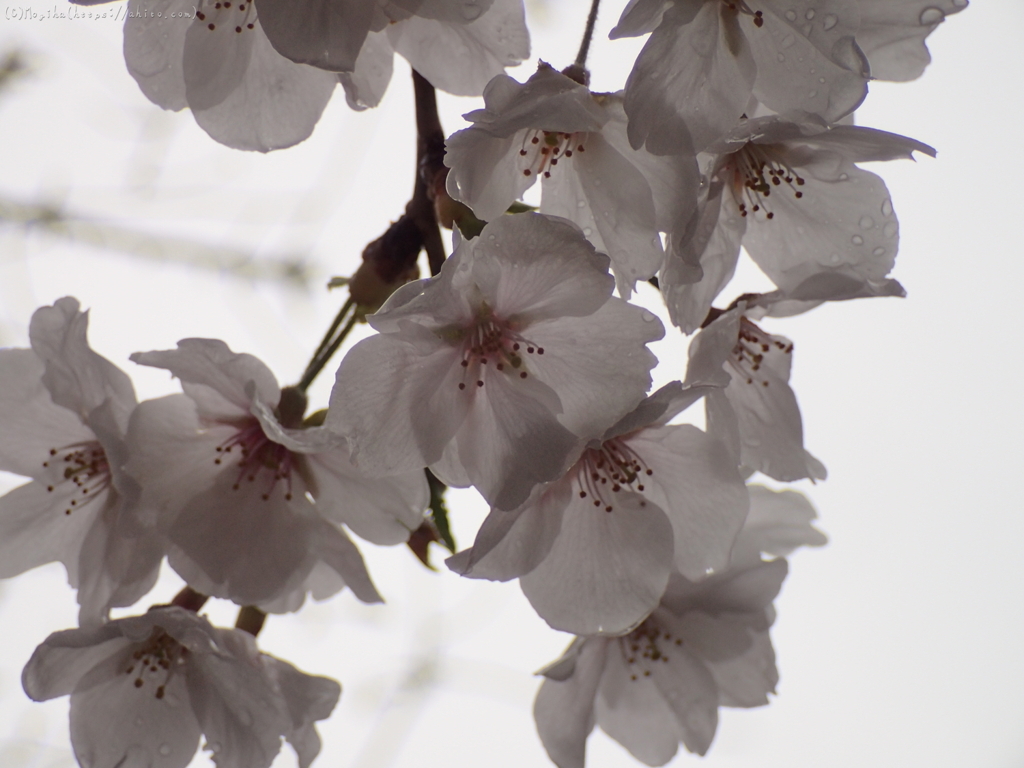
(892,34)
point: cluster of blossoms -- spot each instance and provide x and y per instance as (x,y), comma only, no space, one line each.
(518,368)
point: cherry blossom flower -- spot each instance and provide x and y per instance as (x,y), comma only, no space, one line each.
(459,57)
(594,550)
(705,59)
(496,370)
(554,129)
(892,34)
(215,59)
(790,192)
(252,505)
(143,689)
(65,410)
(705,646)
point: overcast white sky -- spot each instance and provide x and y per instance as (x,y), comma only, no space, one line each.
(899,644)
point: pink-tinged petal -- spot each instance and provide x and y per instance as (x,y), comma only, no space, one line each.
(861,145)
(810,64)
(276,103)
(598,365)
(323,33)
(486,171)
(531,268)
(154,43)
(606,571)
(215,377)
(564,710)
(511,439)
(510,544)
(241,731)
(690,691)
(334,548)
(78,378)
(778,523)
(747,679)
(632,711)
(170,457)
(36,527)
(714,247)
(826,286)
(639,17)
(33,425)
(618,208)
(462,58)
(233,543)
(307,699)
(892,34)
(113,722)
(658,409)
(214,62)
(366,84)
(60,662)
(380,510)
(695,481)
(691,82)
(312,440)
(398,403)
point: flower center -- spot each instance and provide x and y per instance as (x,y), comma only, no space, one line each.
(755,172)
(259,457)
(740,6)
(86,466)
(543,149)
(750,350)
(494,342)
(160,656)
(603,472)
(645,646)
(226,15)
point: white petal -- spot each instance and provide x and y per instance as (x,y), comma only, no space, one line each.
(335,549)
(65,657)
(485,171)
(214,62)
(892,34)
(747,679)
(606,571)
(276,103)
(778,523)
(695,481)
(564,711)
(365,86)
(154,43)
(323,33)
(690,691)
(307,699)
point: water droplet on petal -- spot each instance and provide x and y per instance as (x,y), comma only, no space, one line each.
(844,176)
(787,41)
(165,750)
(887,207)
(829,22)
(791,15)
(471,11)
(879,251)
(890,229)
(821,80)
(588,231)
(866,222)
(647,316)
(491,238)
(834,258)
(581,204)
(960,3)
(812,94)
(931,15)
(857,240)
(214,746)
(810,14)
(781,57)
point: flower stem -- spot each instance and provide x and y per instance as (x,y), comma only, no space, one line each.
(190,600)
(250,619)
(588,33)
(328,346)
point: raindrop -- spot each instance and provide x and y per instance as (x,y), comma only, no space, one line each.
(887,207)
(890,229)
(491,238)
(588,231)
(830,21)
(812,94)
(165,750)
(879,251)
(781,57)
(834,258)
(844,176)
(791,14)
(960,3)
(647,316)
(214,746)
(810,14)
(581,204)
(821,80)
(857,240)
(787,41)
(866,222)
(931,15)
(471,11)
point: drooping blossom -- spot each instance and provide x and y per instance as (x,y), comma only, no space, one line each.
(892,34)
(756,413)
(251,504)
(143,689)
(555,130)
(214,58)
(458,57)
(789,191)
(705,646)
(705,59)
(65,410)
(593,550)
(496,370)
